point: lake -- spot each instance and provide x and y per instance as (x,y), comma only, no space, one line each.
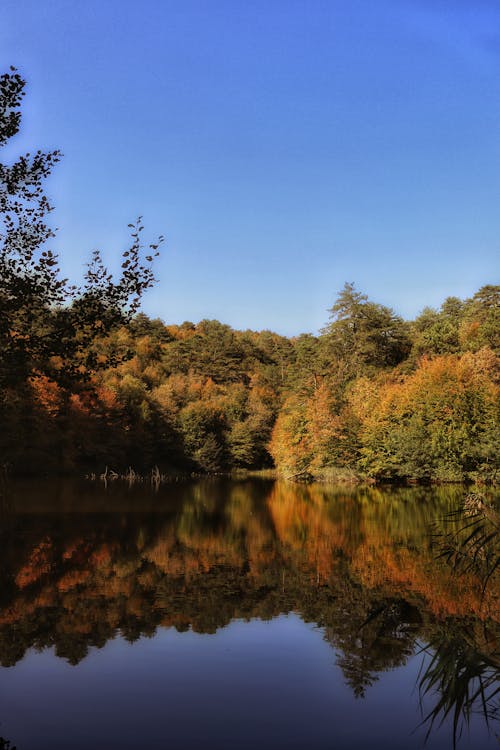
(239,614)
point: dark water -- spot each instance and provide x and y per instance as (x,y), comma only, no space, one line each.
(244,614)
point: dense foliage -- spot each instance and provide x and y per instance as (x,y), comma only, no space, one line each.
(208,398)
(394,400)
(86,381)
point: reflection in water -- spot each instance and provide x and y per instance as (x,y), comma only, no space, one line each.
(472,543)
(460,663)
(80,565)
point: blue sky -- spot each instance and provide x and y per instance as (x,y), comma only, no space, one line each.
(282,147)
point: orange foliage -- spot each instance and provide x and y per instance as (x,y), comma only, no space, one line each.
(38,565)
(47,394)
(73,578)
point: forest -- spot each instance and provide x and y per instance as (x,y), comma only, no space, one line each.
(88,381)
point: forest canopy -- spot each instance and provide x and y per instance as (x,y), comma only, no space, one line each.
(88,381)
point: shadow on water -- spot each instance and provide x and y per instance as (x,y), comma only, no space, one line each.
(81,566)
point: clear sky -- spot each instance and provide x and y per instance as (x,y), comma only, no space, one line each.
(283,147)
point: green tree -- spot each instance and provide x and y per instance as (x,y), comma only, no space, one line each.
(202,428)
(481,324)
(364,334)
(437,332)
(213,351)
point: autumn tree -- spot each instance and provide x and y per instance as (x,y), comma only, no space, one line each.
(440,422)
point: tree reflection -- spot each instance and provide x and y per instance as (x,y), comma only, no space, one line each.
(357,562)
(472,544)
(373,639)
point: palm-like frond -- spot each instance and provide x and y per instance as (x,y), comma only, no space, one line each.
(472,545)
(465,680)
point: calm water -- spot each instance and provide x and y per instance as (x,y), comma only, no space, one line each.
(224,614)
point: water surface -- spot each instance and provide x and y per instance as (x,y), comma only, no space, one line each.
(224,614)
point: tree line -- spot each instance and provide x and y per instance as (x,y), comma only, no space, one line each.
(88,381)
(207,398)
